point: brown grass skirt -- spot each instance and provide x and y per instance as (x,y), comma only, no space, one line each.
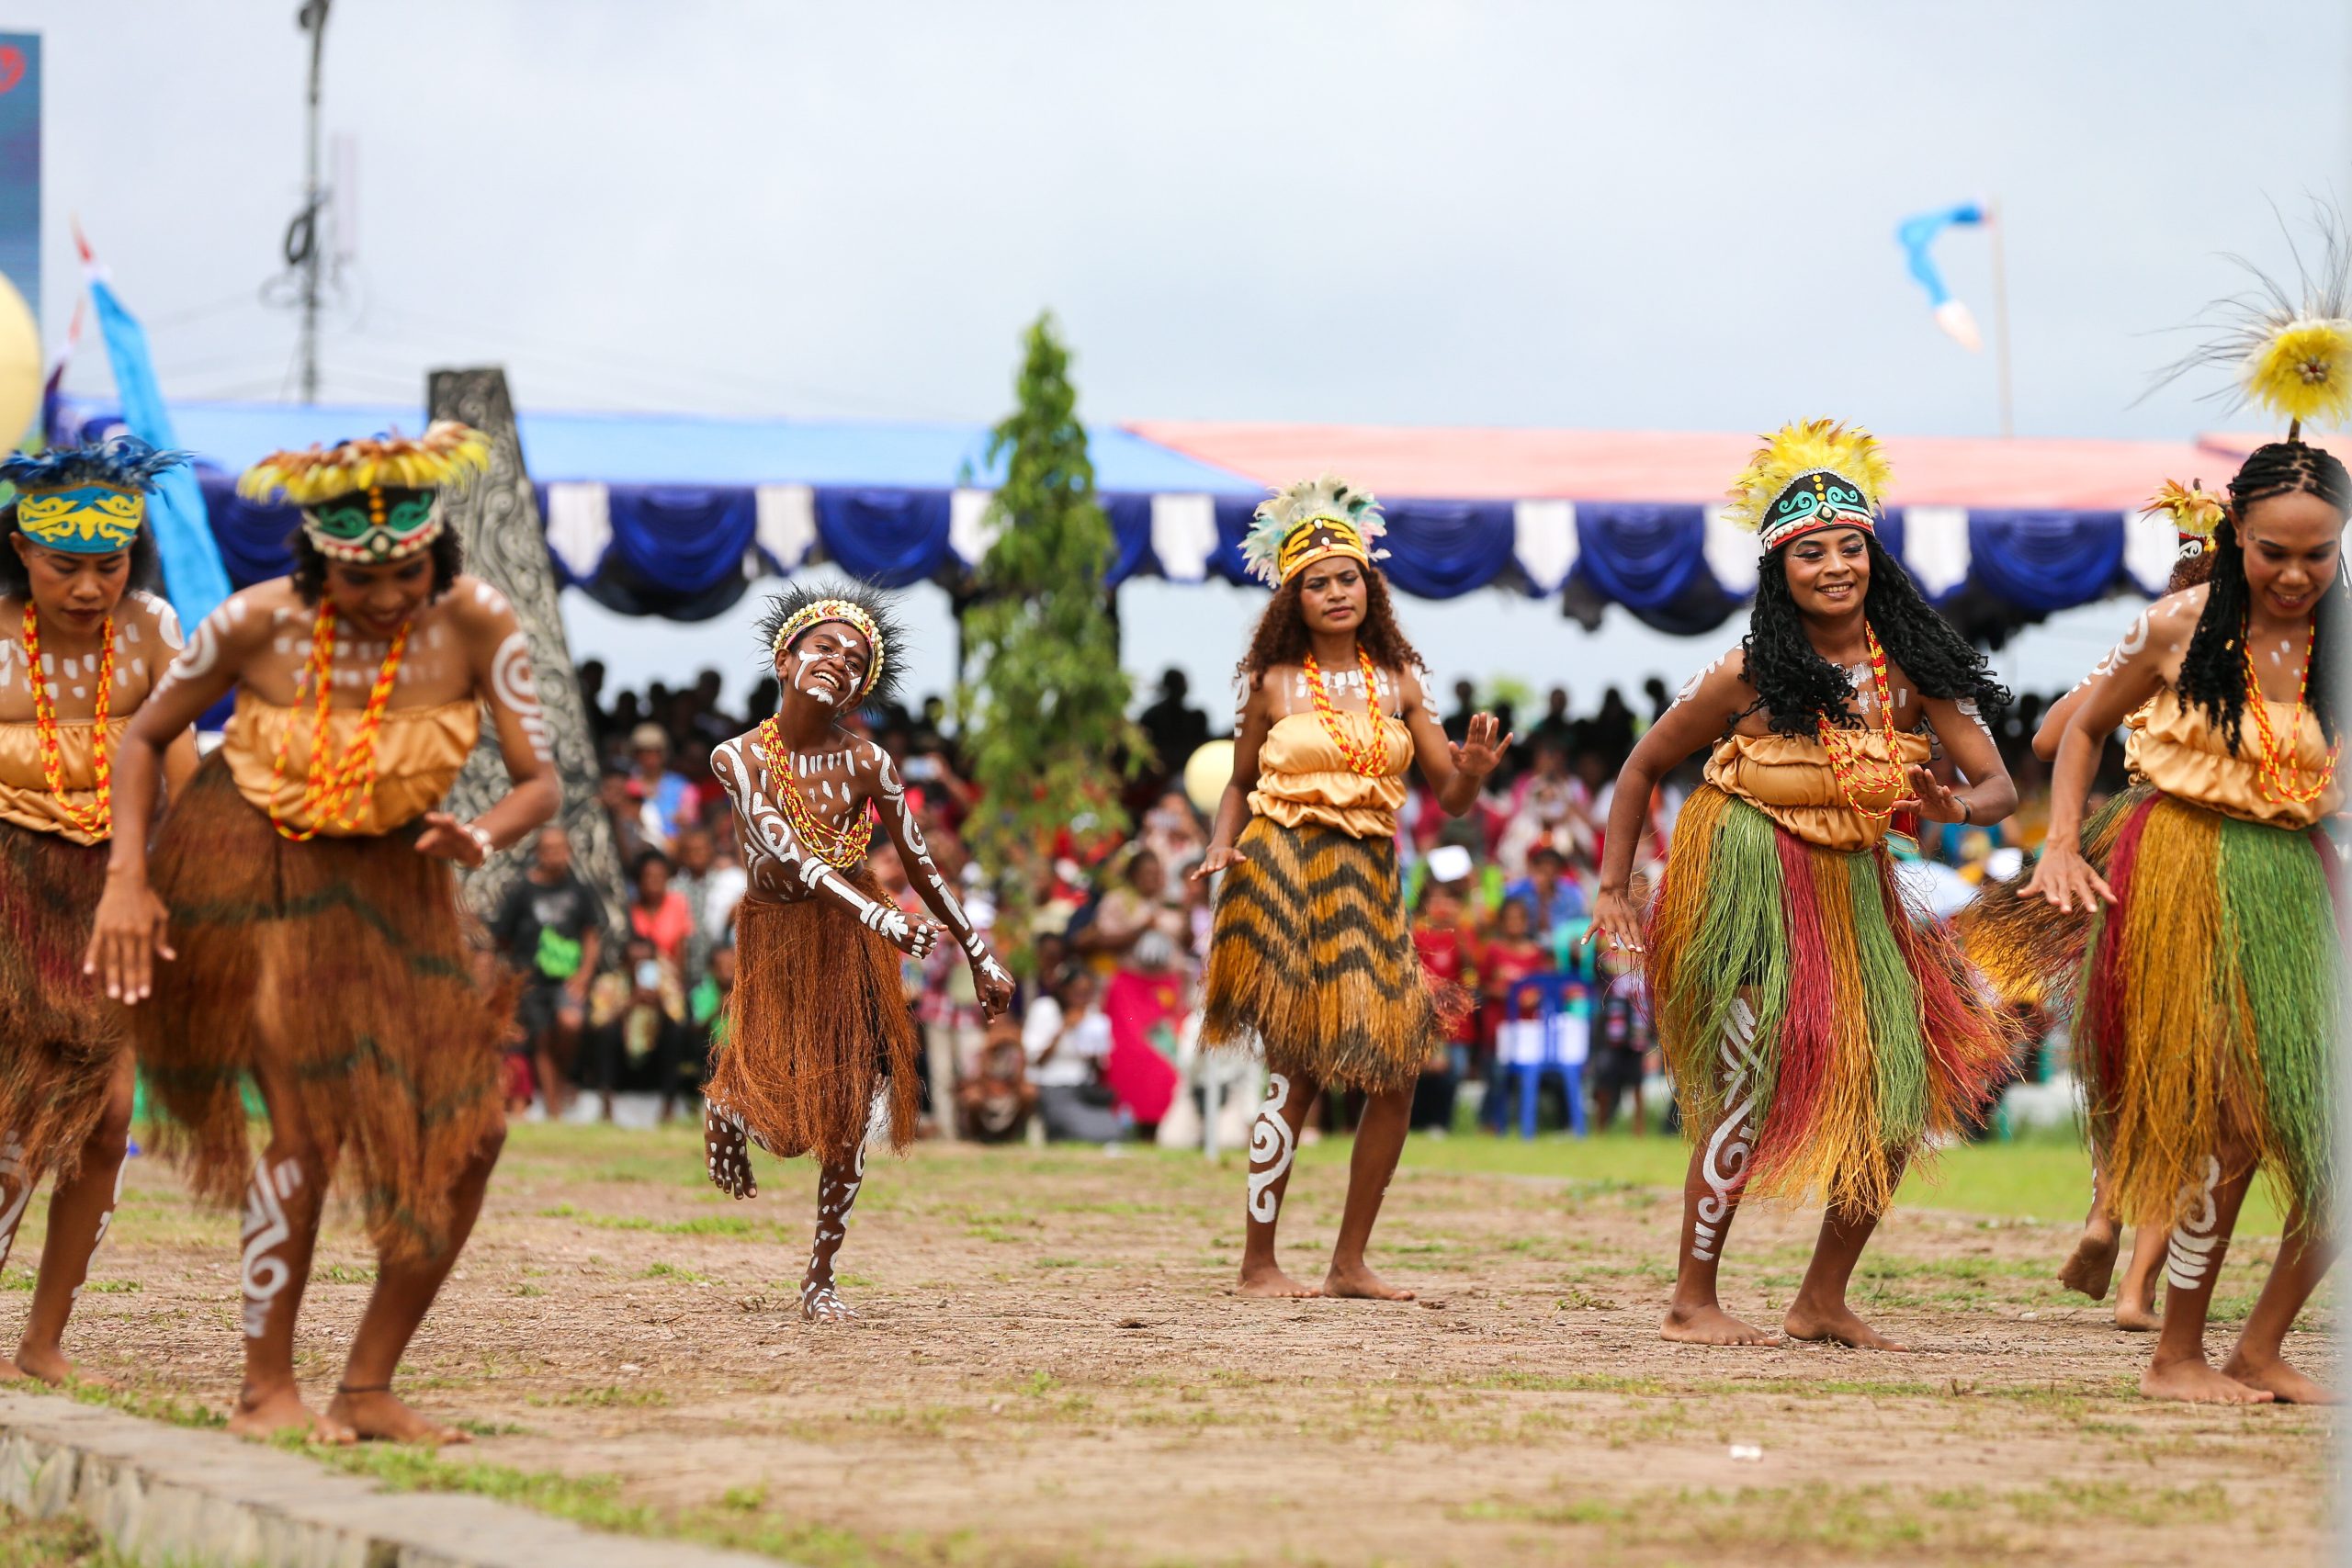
(339,972)
(818,1026)
(1310,959)
(58,1036)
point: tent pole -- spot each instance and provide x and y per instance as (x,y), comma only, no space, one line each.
(2001,318)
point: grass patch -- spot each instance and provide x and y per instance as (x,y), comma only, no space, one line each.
(611,1397)
(67,1543)
(167,1408)
(700,1224)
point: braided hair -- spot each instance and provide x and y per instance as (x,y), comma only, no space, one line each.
(1281,636)
(1796,685)
(2212,673)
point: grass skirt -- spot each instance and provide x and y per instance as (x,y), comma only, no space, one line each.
(2029,949)
(59,1035)
(340,969)
(1868,1036)
(1310,958)
(818,1027)
(2209,1010)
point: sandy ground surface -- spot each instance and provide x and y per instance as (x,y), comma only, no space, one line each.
(1051,1369)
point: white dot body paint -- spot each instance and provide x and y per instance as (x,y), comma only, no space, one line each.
(1725,1169)
(1273,1145)
(2195,1240)
(267,1274)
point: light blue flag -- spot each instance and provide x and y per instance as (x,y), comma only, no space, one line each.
(1918,236)
(193,575)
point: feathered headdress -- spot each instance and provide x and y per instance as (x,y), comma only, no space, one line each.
(871,610)
(1310,521)
(87,500)
(375,500)
(1819,474)
(2195,511)
(2289,354)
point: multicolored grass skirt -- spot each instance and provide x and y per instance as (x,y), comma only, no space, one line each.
(339,974)
(1310,959)
(2030,950)
(1868,1037)
(816,1029)
(60,1037)
(2209,1011)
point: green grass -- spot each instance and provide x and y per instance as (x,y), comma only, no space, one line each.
(67,1543)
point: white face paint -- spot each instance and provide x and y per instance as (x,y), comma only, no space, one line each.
(512,685)
(2196,1243)
(1273,1145)
(267,1274)
(1725,1169)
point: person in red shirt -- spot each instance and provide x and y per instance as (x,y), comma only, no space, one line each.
(1510,956)
(1448,954)
(659,912)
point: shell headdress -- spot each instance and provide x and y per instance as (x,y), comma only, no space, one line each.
(90,499)
(1806,477)
(1308,522)
(375,500)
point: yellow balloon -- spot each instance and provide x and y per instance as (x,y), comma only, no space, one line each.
(1207,774)
(21,367)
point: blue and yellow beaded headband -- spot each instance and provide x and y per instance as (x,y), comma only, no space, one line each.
(90,499)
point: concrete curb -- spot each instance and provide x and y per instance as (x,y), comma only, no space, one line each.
(196,1499)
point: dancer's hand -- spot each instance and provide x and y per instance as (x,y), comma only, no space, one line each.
(131,928)
(1614,916)
(1479,753)
(1219,857)
(1932,800)
(914,935)
(2062,877)
(445,837)
(993,984)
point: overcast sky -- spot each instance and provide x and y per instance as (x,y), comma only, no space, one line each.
(1658,215)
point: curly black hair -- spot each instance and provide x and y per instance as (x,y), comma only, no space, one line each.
(876,600)
(146,565)
(1796,685)
(1281,636)
(2213,672)
(309,574)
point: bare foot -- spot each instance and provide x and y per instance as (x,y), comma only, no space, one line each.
(282,1410)
(1709,1325)
(52,1366)
(1838,1324)
(726,1145)
(2136,1316)
(1362,1284)
(2198,1383)
(380,1416)
(2092,1267)
(1271,1283)
(10,1371)
(2287,1386)
(820,1302)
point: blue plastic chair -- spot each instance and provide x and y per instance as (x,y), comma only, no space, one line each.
(1553,995)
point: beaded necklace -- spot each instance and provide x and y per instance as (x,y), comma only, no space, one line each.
(96,821)
(1367,759)
(2276,762)
(335,792)
(840,848)
(1851,763)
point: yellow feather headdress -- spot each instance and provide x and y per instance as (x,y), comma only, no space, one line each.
(1818,474)
(377,499)
(2289,354)
(2194,510)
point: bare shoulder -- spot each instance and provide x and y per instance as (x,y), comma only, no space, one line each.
(1409,690)
(1722,680)
(2173,618)
(481,614)
(154,616)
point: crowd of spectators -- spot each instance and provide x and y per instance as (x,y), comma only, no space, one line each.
(1098,1048)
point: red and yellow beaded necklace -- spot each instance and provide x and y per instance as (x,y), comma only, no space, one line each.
(2274,765)
(1851,763)
(97,822)
(1369,760)
(840,848)
(334,792)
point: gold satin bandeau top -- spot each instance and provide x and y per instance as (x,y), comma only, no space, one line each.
(25,797)
(1303,777)
(1787,778)
(2179,751)
(418,754)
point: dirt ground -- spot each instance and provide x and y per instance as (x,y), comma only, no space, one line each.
(1050,1370)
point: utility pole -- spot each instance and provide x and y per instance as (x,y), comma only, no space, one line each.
(2000,316)
(303,252)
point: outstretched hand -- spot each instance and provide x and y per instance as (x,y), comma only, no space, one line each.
(132,929)
(1614,916)
(445,837)
(1480,752)
(1217,860)
(2064,877)
(1930,799)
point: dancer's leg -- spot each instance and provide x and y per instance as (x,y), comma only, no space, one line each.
(2135,1295)
(1273,1141)
(1710,1192)
(2193,1266)
(2091,1266)
(1380,1139)
(1820,1310)
(282,1206)
(16,1196)
(79,1212)
(2304,1259)
(402,1295)
(837,1189)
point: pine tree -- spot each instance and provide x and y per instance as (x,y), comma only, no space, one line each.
(1045,716)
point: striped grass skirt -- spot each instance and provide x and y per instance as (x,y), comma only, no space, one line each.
(2209,1008)
(1795,988)
(2030,950)
(340,973)
(60,1037)
(1311,961)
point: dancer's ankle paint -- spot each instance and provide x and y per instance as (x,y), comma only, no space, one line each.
(16,1191)
(267,1274)
(1725,1169)
(1271,1147)
(819,1298)
(2197,1240)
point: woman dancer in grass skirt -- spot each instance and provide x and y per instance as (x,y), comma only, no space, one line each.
(1310,958)
(301,900)
(85,644)
(1821,1032)
(817,1028)
(2209,1006)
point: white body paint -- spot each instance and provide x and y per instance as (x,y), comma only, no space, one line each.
(1273,1145)
(513,684)
(267,1274)
(2190,1256)
(1725,1170)
(105,1223)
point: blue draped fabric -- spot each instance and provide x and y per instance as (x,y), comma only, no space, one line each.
(2042,561)
(1233,516)
(890,537)
(1130,517)
(251,538)
(682,540)
(1443,549)
(1642,556)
